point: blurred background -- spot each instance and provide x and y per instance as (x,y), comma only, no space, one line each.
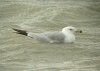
(20,53)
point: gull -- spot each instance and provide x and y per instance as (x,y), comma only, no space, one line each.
(66,35)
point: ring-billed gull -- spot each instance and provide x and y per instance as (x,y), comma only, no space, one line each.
(67,35)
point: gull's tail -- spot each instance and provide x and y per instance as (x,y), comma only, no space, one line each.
(22,32)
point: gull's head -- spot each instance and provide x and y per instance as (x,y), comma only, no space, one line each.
(70,29)
(69,33)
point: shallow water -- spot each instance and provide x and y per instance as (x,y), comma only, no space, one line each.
(20,53)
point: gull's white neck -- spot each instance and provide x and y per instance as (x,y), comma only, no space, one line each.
(69,36)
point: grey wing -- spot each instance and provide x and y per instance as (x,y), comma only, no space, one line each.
(56,36)
(39,36)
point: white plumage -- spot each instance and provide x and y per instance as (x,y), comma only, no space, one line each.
(67,35)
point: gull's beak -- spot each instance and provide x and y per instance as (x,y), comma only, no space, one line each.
(78,31)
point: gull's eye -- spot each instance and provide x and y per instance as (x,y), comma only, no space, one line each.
(70,29)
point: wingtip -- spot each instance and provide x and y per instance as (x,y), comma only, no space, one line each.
(22,32)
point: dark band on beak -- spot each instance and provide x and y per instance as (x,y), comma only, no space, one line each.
(81,31)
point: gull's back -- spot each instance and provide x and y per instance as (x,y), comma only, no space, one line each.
(56,37)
